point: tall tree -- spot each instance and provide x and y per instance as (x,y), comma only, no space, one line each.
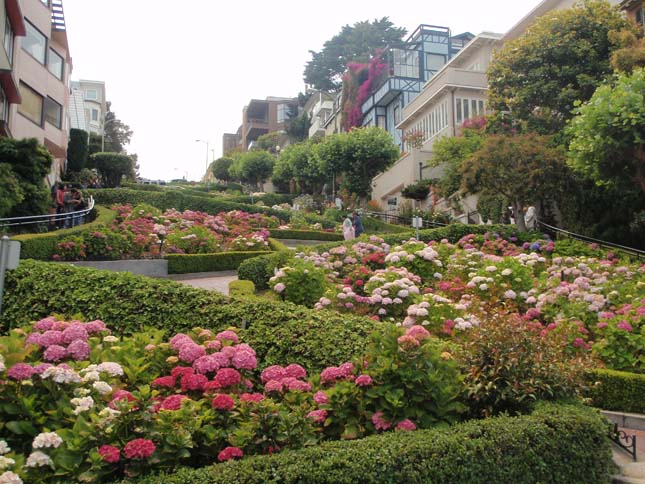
(353,43)
(11,193)
(359,155)
(298,162)
(297,127)
(112,167)
(608,134)
(254,167)
(220,168)
(563,57)
(117,133)
(77,150)
(524,169)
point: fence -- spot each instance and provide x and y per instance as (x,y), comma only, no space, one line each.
(45,219)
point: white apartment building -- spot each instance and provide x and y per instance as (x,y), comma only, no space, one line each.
(88,106)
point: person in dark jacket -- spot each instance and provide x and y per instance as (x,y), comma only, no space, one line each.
(358,225)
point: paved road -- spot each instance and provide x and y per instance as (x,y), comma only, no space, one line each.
(213,281)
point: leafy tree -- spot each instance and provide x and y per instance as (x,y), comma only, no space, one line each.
(608,134)
(359,155)
(77,150)
(112,167)
(352,43)
(297,127)
(300,163)
(11,193)
(630,53)
(94,146)
(117,133)
(417,191)
(560,60)
(268,142)
(524,169)
(220,168)
(30,162)
(254,167)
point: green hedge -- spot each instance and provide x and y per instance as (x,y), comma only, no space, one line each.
(241,288)
(306,235)
(43,246)
(276,245)
(269,199)
(617,390)
(176,199)
(280,333)
(260,269)
(219,261)
(555,444)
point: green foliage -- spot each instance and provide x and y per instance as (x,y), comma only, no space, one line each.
(352,43)
(300,282)
(523,169)
(112,167)
(561,59)
(260,269)
(509,365)
(297,127)
(359,155)
(299,162)
(222,261)
(417,191)
(556,443)
(220,168)
(176,199)
(10,192)
(630,51)
(241,288)
(44,246)
(490,207)
(616,390)
(254,167)
(305,235)
(77,150)
(608,133)
(117,133)
(280,333)
(268,142)
(30,162)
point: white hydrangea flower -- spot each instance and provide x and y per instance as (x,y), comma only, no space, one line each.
(91,376)
(2,365)
(61,375)
(103,388)
(82,404)
(38,459)
(6,462)
(47,439)
(10,478)
(111,368)
(4,447)
(110,339)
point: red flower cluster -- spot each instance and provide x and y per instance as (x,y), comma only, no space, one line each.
(139,449)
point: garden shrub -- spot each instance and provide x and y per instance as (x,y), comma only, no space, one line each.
(300,283)
(555,444)
(241,288)
(219,261)
(616,390)
(260,269)
(510,363)
(306,235)
(43,246)
(276,246)
(177,200)
(279,332)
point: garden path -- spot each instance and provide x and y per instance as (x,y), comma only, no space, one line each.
(213,281)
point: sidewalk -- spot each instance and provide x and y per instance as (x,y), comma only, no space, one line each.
(213,281)
(630,472)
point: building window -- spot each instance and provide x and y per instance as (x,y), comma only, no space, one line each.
(35,43)
(55,64)
(53,112)
(397,115)
(639,17)
(92,95)
(95,115)
(392,202)
(8,39)
(434,62)
(32,104)
(4,107)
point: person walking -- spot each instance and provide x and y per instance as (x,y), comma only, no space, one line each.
(358,225)
(348,228)
(60,206)
(77,203)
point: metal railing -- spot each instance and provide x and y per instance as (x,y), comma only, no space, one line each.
(406,221)
(45,219)
(556,231)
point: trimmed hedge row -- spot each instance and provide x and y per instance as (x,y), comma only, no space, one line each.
(306,235)
(241,288)
(617,390)
(260,269)
(557,443)
(43,246)
(276,246)
(176,199)
(219,261)
(281,333)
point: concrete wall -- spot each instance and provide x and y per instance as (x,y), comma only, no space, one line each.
(144,267)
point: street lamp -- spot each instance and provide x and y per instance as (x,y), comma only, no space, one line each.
(207,149)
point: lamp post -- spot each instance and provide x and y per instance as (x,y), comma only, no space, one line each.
(420,170)
(207,149)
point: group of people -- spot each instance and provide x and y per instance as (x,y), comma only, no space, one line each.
(67,200)
(530,217)
(352,226)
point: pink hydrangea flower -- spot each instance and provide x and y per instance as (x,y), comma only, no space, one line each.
(193,382)
(346,369)
(110,454)
(418,332)
(331,374)
(189,352)
(363,380)
(139,449)
(51,337)
(223,402)
(78,349)
(295,371)
(273,386)
(164,381)
(96,326)
(406,425)
(180,339)
(298,386)
(227,335)
(228,377)
(230,453)
(120,395)
(244,360)
(275,372)
(406,341)
(44,324)
(55,353)
(39,369)
(173,402)
(75,331)
(214,345)
(210,363)
(379,422)
(20,371)
(321,398)
(624,325)
(211,387)
(252,397)
(180,371)
(318,416)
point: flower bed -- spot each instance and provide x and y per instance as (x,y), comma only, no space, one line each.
(449,288)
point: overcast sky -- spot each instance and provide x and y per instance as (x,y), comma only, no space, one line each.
(178,71)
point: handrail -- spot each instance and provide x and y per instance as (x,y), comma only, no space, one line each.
(37,219)
(601,243)
(396,219)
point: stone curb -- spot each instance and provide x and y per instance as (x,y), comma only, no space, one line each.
(634,421)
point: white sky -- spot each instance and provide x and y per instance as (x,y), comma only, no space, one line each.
(178,71)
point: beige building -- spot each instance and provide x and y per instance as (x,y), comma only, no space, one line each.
(88,106)
(319,108)
(13,26)
(42,66)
